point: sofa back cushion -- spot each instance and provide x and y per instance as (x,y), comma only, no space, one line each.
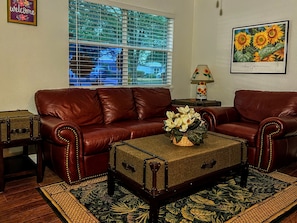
(117,103)
(258,105)
(152,102)
(72,104)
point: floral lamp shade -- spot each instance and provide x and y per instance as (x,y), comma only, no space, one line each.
(201,76)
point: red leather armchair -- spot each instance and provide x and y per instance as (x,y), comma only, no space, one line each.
(268,120)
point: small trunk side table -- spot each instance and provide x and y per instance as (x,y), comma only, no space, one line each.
(196,103)
(20,165)
(19,128)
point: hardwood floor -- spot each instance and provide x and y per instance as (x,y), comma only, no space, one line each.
(21,202)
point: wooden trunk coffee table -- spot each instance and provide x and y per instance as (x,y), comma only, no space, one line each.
(159,172)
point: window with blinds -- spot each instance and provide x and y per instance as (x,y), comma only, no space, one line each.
(115,46)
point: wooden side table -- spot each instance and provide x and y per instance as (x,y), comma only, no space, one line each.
(196,103)
(20,165)
(19,128)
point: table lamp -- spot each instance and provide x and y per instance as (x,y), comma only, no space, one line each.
(201,76)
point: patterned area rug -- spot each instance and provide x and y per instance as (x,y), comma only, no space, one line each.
(266,198)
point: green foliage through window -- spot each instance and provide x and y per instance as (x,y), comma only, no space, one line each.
(114,46)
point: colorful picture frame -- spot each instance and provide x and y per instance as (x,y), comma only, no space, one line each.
(22,11)
(260,49)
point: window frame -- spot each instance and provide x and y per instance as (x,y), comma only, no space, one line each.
(167,82)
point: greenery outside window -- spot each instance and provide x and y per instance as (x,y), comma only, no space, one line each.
(115,46)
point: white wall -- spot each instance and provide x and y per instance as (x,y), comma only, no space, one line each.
(36,57)
(212,44)
(32,57)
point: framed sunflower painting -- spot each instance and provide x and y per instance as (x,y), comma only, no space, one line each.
(260,48)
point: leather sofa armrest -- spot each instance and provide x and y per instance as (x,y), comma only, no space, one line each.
(56,130)
(66,140)
(278,127)
(270,130)
(219,115)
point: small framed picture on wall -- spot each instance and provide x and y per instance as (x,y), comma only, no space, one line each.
(22,11)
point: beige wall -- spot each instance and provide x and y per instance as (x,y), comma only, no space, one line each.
(33,58)
(36,57)
(212,44)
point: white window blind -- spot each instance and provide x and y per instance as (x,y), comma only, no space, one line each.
(114,46)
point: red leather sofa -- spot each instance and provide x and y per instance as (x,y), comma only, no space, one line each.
(79,125)
(268,120)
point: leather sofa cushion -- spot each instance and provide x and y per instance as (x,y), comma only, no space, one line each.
(152,102)
(258,105)
(141,128)
(78,105)
(243,130)
(93,144)
(118,104)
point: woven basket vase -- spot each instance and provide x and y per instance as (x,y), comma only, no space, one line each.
(183,142)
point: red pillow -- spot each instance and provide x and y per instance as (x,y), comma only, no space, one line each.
(118,104)
(70,104)
(152,102)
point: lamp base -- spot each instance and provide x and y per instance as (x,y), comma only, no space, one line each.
(201,92)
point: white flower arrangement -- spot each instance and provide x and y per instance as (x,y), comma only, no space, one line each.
(187,122)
